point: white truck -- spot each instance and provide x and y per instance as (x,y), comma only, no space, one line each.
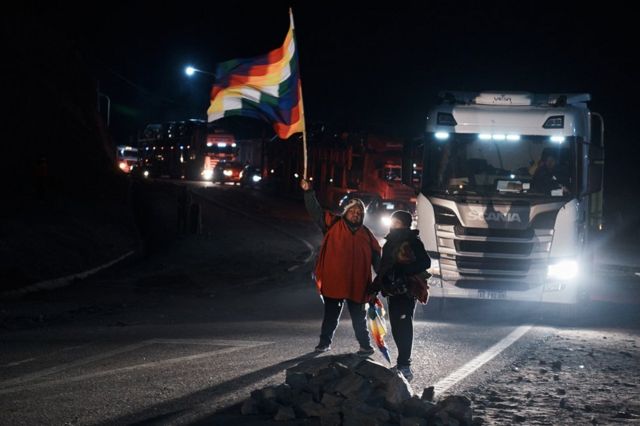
(510,195)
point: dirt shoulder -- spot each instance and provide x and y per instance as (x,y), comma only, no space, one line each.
(574,377)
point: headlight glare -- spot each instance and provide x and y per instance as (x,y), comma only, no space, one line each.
(563,270)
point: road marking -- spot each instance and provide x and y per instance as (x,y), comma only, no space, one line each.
(18,384)
(477,362)
(58,368)
(16,363)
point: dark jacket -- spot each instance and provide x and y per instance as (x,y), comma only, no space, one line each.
(403,265)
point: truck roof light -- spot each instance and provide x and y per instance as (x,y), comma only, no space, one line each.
(442,136)
(557,139)
(446,119)
(513,138)
(555,122)
(499,137)
(484,136)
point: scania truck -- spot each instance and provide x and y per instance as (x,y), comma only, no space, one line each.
(510,195)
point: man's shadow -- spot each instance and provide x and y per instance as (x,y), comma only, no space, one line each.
(170,411)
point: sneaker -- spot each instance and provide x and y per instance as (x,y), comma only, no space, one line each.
(365,352)
(322,348)
(405,370)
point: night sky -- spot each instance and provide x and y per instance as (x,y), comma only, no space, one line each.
(364,66)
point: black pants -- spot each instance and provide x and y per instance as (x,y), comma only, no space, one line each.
(332,311)
(401,310)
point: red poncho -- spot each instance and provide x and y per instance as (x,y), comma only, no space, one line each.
(343,270)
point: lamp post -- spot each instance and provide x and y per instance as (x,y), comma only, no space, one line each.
(102,95)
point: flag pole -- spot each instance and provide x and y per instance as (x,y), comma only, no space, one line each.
(304,128)
(304,137)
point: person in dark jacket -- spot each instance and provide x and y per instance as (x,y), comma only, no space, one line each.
(343,269)
(402,278)
(544,179)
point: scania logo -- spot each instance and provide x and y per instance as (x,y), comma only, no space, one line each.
(494,216)
(502,98)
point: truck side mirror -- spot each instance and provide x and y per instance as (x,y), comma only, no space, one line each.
(596,155)
(596,169)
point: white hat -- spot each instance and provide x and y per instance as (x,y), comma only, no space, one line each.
(352,203)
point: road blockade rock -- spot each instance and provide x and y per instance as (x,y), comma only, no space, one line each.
(250,407)
(416,407)
(428,393)
(458,407)
(413,421)
(297,380)
(356,414)
(311,409)
(284,394)
(330,400)
(333,419)
(349,390)
(352,386)
(284,414)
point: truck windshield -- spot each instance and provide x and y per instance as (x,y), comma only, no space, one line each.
(472,164)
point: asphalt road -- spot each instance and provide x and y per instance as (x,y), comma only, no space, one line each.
(176,337)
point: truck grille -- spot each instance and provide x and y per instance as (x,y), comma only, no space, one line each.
(493,247)
(508,256)
(493,264)
(492,232)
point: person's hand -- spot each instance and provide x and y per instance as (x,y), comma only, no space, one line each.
(376,285)
(372,298)
(305,185)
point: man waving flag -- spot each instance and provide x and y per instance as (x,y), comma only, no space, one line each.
(265,87)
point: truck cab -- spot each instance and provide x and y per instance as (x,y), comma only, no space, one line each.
(509,195)
(126,158)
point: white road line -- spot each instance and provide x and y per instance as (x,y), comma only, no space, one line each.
(58,368)
(218,342)
(161,363)
(17,384)
(477,362)
(16,363)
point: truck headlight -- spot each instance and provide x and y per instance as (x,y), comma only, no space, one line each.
(256,178)
(207,174)
(563,270)
(227,173)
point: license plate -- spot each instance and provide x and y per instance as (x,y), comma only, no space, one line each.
(492,294)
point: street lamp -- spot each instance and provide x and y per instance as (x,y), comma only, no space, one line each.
(190,71)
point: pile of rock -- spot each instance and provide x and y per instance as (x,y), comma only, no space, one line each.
(349,390)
